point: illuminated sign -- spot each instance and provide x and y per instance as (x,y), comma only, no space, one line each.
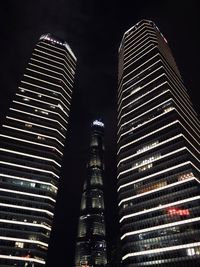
(98,123)
(181,212)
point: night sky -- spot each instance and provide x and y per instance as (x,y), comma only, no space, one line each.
(93,29)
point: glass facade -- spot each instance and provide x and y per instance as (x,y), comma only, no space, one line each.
(32,142)
(158,155)
(91,248)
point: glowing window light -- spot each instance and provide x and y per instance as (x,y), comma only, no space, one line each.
(98,123)
(177,211)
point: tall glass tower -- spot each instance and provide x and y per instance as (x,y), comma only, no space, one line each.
(32,142)
(91,244)
(158,155)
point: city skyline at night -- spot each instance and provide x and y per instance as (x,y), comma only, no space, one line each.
(94,31)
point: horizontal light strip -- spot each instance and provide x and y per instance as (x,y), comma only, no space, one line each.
(161,226)
(61,69)
(29,155)
(157,190)
(131,120)
(34,133)
(146,69)
(156,173)
(26,194)
(35,124)
(9,257)
(129,35)
(181,88)
(155,146)
(136,99)
(164,92)
(26,179)
(161,157)
(144,123)
(51,55)
(141,29)
(30,142)
(24,240)
(161,128)
(38,107)
(50,60)
(141,87)
(40,80)
(44,102)
(67,51)
(157,78)
(160,250)
(44,74)
(146,38)
(159,207)
(51,71)
(38,116)
(154,56)
(174,98)
(26,208)
(28,168)
(45,89)
(134,42)
(138,53)
(154,46)
(69,61)
(25,223)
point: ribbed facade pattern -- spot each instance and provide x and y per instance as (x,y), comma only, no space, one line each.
(91,243)
(158,155)
(31,147)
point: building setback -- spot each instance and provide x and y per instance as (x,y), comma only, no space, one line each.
(91,242)
(32,141)
(158,155)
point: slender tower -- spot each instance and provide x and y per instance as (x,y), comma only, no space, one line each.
(31,147)
(158,155)
(91,244)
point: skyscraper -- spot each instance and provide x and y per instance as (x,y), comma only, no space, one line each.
(32,142)
(158,155)
(91,243)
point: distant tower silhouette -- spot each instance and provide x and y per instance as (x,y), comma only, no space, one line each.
(91,248)
(158,155)
(32,142)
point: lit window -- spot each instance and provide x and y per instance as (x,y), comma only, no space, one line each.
(32,184)
(44,112)
(185,176)
(28,125)
(146,167)
(19,244)
(40,137)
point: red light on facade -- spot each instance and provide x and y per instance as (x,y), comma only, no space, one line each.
(181,212)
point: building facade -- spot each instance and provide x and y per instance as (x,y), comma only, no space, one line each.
(158,155)
(91,246)
(32,141)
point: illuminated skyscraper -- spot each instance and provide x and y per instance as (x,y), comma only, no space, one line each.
(91,244)
(158,155)
(32,142)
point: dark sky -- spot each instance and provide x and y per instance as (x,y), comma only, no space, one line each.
(94,30)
